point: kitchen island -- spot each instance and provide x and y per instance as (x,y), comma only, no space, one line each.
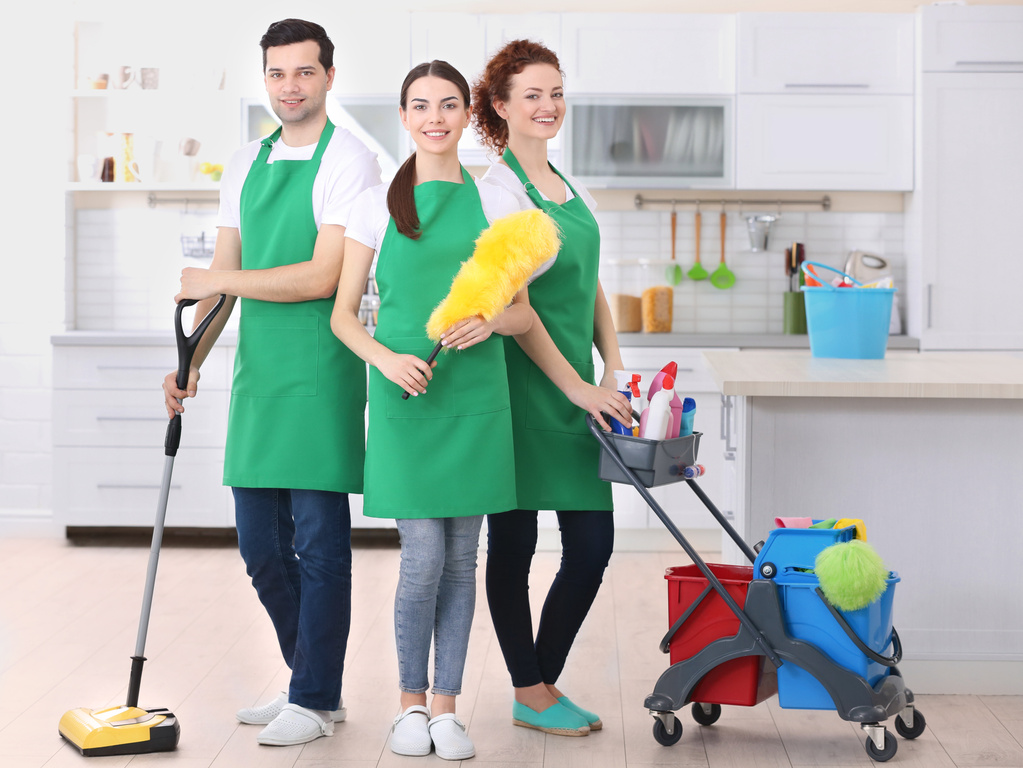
(926,448)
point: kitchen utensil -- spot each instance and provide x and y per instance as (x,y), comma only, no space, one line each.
(723,277)
(697,271)
(759,228)
(674,271)
(867,267)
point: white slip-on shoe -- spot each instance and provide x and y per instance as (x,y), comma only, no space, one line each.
(295,725)
(266,713)
(450,740)
(410,734)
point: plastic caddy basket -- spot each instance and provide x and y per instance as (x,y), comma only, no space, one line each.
(846,322)
(655,462)
(788,558)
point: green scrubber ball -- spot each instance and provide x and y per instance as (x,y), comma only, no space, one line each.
(851,574)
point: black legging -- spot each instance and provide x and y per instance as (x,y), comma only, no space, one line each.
(587,540)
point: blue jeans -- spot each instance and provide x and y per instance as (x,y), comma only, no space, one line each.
(297,548)
(435,600)
(587,541)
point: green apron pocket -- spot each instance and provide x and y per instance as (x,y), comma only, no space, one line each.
(437,403)
(547,408)
(277,357)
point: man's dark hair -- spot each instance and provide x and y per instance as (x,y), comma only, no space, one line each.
(290,31)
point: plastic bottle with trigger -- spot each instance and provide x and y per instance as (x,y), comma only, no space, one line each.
(671,369)
(628,384)
(655,421)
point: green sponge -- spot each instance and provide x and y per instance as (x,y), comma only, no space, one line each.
(851,574)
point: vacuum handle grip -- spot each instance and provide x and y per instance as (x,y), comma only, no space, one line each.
(186,351)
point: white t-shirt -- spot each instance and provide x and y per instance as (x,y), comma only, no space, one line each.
(369,217)
(346,169)
(500,175)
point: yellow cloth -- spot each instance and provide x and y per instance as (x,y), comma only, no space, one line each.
(861,528)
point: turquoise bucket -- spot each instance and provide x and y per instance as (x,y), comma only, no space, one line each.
(847,322)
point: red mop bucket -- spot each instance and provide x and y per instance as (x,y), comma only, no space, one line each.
(740,681)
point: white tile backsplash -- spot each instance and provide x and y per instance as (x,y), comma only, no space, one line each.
(754,303)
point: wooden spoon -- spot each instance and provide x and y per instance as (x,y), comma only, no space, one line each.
(723,277)
(674,271)
(697,272)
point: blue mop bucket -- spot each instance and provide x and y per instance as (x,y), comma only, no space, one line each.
(846,322)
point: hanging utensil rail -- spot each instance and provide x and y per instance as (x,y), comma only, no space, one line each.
(824,202)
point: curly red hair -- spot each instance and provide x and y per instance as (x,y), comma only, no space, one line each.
(494,84)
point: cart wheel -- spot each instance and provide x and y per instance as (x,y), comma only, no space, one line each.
(661,735)
(703,717)
(891,746)
(918,725)
(768,570)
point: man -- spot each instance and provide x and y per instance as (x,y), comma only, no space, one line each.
(295,440)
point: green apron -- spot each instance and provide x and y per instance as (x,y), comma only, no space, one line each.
(446,453)
(298,399)
(556,457)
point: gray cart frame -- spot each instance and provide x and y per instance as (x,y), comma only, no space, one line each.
(761,633)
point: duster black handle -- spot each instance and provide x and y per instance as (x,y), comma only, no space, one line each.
(430,359)
(186,351)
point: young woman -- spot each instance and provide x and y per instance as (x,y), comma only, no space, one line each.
(520,106)
(440,460)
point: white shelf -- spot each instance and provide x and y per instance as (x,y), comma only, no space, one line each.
(135,186)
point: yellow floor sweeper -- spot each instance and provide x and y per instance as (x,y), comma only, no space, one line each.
(129,729)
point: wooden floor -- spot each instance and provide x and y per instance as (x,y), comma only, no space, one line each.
(68,620)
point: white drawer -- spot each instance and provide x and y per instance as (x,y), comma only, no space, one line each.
(135,418)
(120,487)
(116,367)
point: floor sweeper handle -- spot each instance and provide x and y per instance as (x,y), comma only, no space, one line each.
(186,350)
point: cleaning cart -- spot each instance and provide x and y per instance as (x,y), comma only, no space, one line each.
(742,633)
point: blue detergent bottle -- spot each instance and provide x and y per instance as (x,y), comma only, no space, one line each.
(628,384)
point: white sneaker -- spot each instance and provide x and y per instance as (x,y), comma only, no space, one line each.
(266,713)
(410,734)
(450,740)
(295,725)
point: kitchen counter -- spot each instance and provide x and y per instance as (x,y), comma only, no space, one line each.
(924,448)
(695,340)
(900,374)
(741,340)
(128,338)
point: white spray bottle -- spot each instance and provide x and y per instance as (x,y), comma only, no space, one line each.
(655,421)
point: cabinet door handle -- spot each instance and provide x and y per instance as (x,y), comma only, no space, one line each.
(724,418)
(929,294)
(131,487)
(988,63)
(131,418)
(827,85)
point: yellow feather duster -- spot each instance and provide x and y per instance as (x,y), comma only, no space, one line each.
(507,252)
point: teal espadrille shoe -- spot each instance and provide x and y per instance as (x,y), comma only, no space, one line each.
(556,719)
(591,719)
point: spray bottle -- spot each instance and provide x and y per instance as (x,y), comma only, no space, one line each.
(684,426)
(655,421)
(671,369)
(628,384)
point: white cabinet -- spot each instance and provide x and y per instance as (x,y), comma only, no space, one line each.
(825,53)
(109,425)
(966,236)
(824,142)
(825,101)
(676,499)
(972,38)
(641,53)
